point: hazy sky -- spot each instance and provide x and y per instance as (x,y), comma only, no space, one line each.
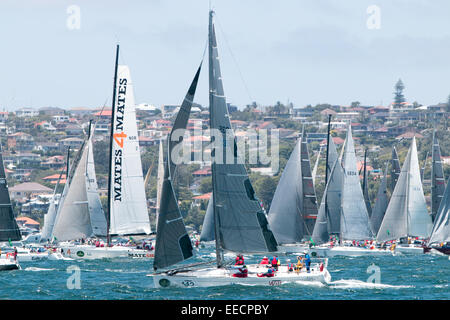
(307,51)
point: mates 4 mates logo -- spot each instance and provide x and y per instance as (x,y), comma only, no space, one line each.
(119,138)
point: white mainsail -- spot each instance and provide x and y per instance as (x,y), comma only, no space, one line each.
(441,227)
(128,206)
(354,216)
(407,213)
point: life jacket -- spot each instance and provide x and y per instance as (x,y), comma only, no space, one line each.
(265,261)
(274,261)
(239,261)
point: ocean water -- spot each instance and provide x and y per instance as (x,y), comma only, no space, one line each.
(401,277)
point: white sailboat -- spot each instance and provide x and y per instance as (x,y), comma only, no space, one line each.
(351,223)
(127,214)
(407,214)
(240,225)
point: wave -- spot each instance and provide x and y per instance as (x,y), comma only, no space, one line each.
(358,284)
(38,269)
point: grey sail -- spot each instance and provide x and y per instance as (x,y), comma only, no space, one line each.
(173,244)
(285,214)
(366,186)
(316,165)
(96,214)
(207,233)
(437,178)
(354,216)
(441,228)
(8,225)
(73,216)
(309,208)
(381,204)
(406,214)
(240,223)
(334,191)
(324,223)
(395,169)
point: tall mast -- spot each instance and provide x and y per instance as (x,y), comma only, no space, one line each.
(326,162)
(108,217)
(212,89)
(67,166)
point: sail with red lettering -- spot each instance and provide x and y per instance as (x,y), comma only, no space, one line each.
(128,205)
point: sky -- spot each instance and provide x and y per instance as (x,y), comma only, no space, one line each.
(301,51)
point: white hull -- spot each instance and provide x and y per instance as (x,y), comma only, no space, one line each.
(348,252)
(211,277)
(58,256)
(32,256)
(8,264)
(409,249)
(91,252)
(292,248)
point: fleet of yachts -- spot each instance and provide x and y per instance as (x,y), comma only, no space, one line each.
(76,227)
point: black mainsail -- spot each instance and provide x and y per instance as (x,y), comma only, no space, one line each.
(381,204)
(8,225)
(173,244)
(240,223)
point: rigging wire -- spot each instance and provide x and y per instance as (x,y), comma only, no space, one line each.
(234,59)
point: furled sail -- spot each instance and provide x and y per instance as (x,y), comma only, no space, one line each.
(395,169)
(285,214)
(207,233)
(8,225)
(441,227)
(128,205)
(437,177)
(240,223)
(381,204)
(407,214)
(354,216)
(173,244)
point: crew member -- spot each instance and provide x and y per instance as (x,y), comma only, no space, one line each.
(264,260)
(239,260)
(242,272)
(307,261)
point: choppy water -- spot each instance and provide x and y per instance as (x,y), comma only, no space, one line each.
(402,277)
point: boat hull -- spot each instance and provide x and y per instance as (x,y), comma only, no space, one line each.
(213,277)
(348,252)
(409,249)
(442,250)
(90,252)
(8,264)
